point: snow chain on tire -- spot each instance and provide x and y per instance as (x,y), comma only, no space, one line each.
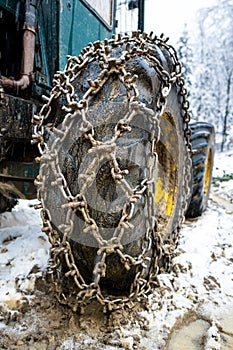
(111,59)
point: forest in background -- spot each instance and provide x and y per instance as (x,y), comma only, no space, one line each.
(207,59)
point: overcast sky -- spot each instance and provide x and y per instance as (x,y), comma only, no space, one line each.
(169,16)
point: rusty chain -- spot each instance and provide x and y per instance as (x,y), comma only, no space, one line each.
(2,94)
(137,45)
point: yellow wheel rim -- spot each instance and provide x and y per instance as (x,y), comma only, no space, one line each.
(208,173)
(166,183)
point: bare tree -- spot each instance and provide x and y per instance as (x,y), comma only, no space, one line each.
(212,92)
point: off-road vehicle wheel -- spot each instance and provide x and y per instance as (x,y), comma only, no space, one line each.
(114,173)
(202,141)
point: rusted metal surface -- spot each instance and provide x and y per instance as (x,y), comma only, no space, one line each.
(15,118)
(27,63)
(20,175)
(28,53)
(18,167)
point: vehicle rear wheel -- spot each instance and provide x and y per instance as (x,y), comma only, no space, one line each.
(202,141)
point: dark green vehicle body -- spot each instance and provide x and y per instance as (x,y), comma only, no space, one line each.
(60,28)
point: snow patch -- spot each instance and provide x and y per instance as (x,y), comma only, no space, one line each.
(200,284)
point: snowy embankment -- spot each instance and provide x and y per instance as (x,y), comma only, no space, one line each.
(191,309)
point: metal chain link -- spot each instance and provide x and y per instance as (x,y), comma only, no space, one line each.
(138,45)
(2,93)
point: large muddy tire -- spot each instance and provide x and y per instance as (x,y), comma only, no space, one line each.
(202,141)
(113,209)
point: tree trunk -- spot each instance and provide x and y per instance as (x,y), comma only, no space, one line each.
(227,110)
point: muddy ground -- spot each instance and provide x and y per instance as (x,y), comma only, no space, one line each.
(191,309)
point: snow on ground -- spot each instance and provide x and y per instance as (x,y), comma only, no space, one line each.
(24,249)
(192,309)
